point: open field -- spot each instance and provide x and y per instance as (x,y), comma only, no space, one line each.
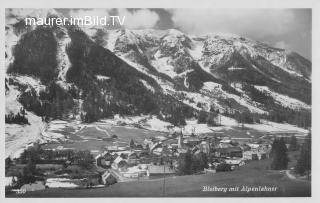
(255,173)
(91,137)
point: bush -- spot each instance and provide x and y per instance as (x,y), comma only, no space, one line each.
(202,117)
(223,167)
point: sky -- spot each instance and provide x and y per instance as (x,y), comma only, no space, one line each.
(282,28)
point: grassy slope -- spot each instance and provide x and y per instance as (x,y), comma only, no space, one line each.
(255,173)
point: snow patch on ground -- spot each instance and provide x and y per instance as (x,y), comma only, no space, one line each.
(128,120)
(102,77)
(193,99)
(211,85)
(162,64)
(51,133)
(227,121)
(29,81)
(194,127)
(268,126)
(196,51)
(19,137)
(102,130)
(232,68)
(146,84)
(62,57)
(60,183)
(156,124)
(112,39)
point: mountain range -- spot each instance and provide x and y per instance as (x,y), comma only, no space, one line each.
(66,72)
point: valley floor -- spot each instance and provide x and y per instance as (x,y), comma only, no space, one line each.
(254,174)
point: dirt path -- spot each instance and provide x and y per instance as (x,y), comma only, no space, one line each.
(289,175)
(292,177)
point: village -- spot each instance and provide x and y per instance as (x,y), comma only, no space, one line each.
(155,158)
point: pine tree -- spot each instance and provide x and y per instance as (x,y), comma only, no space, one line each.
(279,155)
(195,165)
(211,119)
(293,143)
(132,144)
(304,161)
(8,162)
(184,164)
(202,117)
(203,159)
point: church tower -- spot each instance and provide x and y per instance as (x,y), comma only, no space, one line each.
(180,141)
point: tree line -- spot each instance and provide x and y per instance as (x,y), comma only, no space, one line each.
(280,159)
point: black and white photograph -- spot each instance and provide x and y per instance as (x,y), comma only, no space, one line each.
(158,102)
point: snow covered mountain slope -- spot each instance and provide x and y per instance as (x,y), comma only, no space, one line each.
(18,136)
(61,72)
(187,62)
(230,58)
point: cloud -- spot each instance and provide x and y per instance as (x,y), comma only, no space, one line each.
(246,22)
(283,28)
(81,13)
(281,45)
(15,14)
(134,19)
(139,19)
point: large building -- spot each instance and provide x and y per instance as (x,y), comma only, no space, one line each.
(229,152)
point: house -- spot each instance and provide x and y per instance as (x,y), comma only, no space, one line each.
(191,141)
(133,155)
(253,146)
(157,151)
(229,152)
(120,164)
(143,154)
(160,170)
(224,145)
(182,151)
(155,146)
(225,141)
(255,155)
(108,178)
(105,159)
(148,142)
(250,155)
(209,171)
(38,185)
(235,163)
(136,171)
(194,149)
(247,155)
